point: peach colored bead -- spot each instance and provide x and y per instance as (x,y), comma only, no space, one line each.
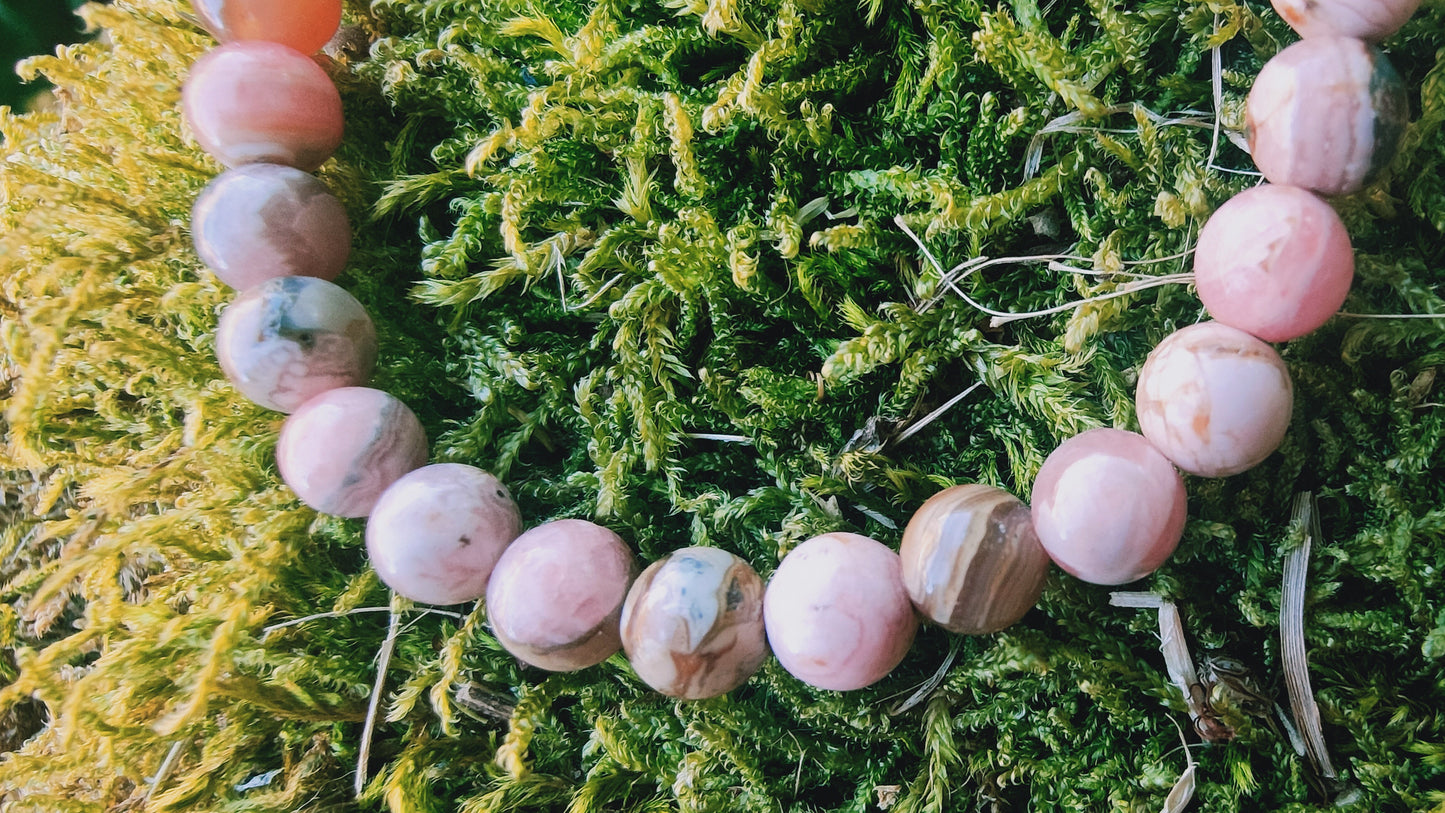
(1108,507)
(344,447)
(436,533)
(1370,20)
(290,339)
(262,221)
(555,597)
(692,624)
(259,102)
(837,614)
(971,560)
(1325,114)
(1214,399)
(305,25)
(1274,261)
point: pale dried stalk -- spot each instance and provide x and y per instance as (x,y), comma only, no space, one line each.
(1292,638)
(373,708)
(1177,661)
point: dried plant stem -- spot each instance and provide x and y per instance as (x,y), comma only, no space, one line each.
(373,708)
(354,611)
(164,771)
(1292,637)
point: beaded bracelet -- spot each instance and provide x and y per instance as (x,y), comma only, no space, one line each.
(841,610)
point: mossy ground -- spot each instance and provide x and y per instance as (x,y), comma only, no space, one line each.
(594,232)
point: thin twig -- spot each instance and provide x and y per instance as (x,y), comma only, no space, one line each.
(373,708)
(933,416)
(1292,637)
(1354,315)
(1183,791)
(265,631)
(721,438)
(926,688)
(163,773)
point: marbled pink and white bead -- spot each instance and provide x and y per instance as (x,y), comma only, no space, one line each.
(259,102)
(1370,20)
(836,612)
(555,597)
(436,533)
(971,561)
(1108,507)
(1274,261)
(1326,114)
(344,447)
(692,624)
(1214,399)
(261,221)
(290,339)
(305,25)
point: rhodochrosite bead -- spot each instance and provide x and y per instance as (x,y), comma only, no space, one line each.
(836,612)
(1325,114)
(344,447)
(1371,20)
(262,221)
(971,561)
(305,25)
(1108,507)
(1214,399)
(436,533)
(1274,261)
(292,338)
(555,596)
(692,625)
(259,102)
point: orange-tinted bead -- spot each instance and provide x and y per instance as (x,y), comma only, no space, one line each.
(305,25)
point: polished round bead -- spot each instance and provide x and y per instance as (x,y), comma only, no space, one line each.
(1326,114)
(555,597)
(692,625)
(971,561)
(290,339)
(836,611)
(305,25)
(1370,20)
(1108,507)
(259,102)
(344,447)
(436,533)
(1214,399)
(262,221)
(1274,261)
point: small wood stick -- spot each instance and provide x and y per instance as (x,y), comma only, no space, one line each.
(374,707)
(1177,661)
(1292,638)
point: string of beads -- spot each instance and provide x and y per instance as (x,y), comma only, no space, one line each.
(841,610)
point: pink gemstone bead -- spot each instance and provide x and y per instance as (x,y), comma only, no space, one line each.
(1214,399)
(436,533)
(344,447)
(305,25)
(292,338)
(836,612)
(555,597)
(1370,20)
(1274,261)
(693,623)
(262,221)
(1108,507)
(259,102)
(1325,114)
(971,561)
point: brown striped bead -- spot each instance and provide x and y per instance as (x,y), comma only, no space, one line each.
(971,561)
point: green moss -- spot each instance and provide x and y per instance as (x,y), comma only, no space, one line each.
(594,233)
